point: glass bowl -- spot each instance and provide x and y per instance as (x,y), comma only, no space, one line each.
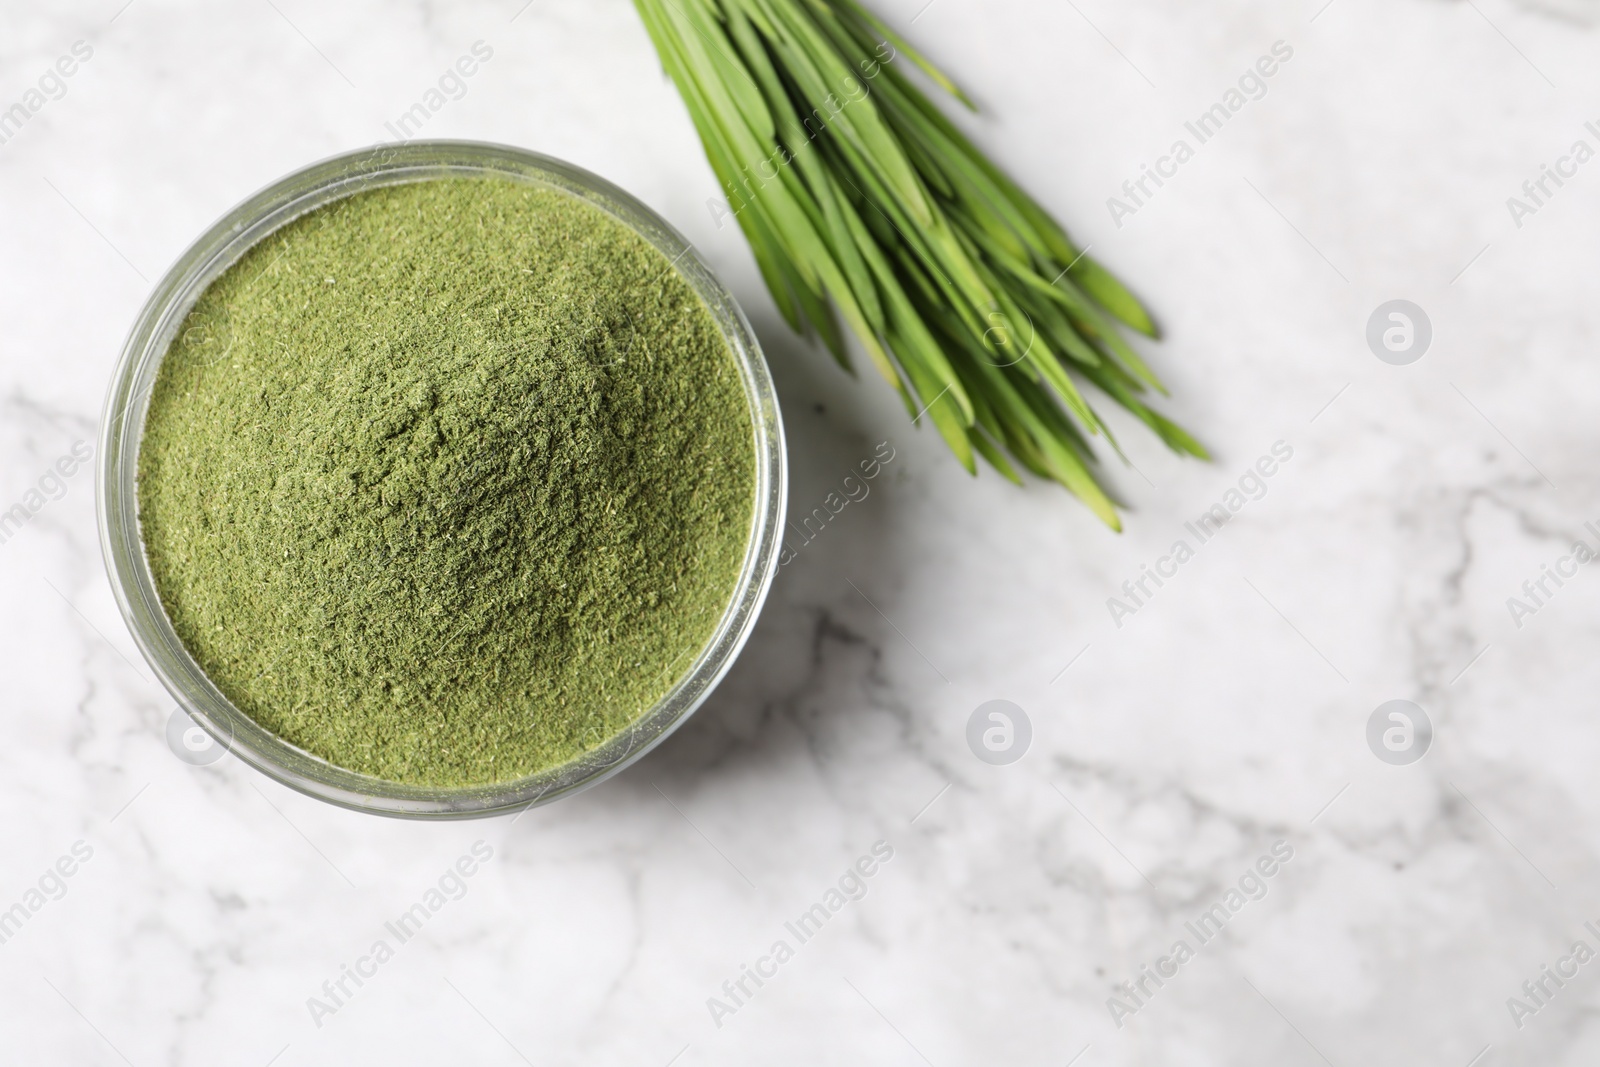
(123,424)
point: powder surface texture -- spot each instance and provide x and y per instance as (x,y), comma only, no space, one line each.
(447,482)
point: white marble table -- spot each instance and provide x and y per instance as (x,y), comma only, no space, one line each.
(1169,754)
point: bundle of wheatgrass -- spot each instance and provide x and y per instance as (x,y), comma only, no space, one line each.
(858,194)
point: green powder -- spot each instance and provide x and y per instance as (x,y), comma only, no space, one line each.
(447,482)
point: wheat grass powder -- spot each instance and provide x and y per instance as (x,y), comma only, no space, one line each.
(447,482)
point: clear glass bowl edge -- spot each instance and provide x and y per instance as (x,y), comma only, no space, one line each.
(122,424)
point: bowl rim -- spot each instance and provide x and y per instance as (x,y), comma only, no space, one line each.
(122,424)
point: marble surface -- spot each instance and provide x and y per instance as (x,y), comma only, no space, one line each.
(1169,754)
